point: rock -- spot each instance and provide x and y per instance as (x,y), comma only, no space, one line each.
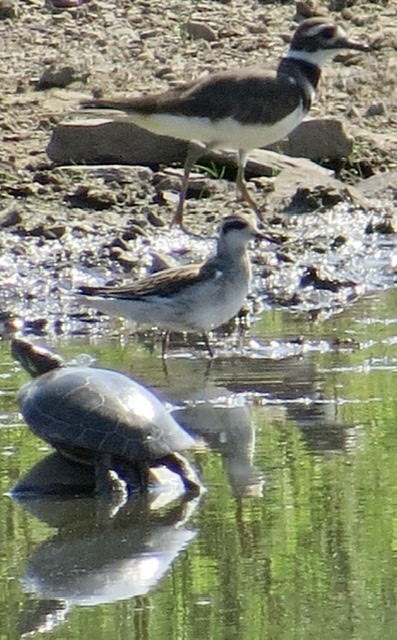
(321,197)
(384,227)
(109,174)
(10,217)
(102,140)
(7,9)
(134,231)
(378,185)
(317,139)
(56,76)
(65,4)
(308,9)
(161,261)
(376,109)
(89,197)
(312,278)
(154,219)
(126,259)
(264,162)
(197,29)
(9,323)
(309,188)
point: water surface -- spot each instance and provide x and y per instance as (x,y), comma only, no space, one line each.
(296,536)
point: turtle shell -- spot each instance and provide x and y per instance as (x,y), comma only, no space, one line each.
(100,411)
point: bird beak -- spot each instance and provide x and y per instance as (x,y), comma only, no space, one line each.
(260,236)
(347,43)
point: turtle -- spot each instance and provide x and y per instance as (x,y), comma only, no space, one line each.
(103,418)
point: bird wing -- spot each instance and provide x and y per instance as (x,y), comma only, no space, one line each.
(248,95)
(160,284)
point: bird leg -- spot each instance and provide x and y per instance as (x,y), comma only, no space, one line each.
(165,340)
(241,184)
(207,344)
(194,152)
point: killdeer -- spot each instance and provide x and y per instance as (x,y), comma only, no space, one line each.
(194,298)
(242,109)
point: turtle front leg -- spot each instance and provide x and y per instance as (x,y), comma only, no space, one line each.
(134,474)
(177,463)
(107,480)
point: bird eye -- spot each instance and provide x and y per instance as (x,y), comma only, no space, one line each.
(234,225)
(328,33)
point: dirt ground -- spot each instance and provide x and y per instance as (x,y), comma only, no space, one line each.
(47,229)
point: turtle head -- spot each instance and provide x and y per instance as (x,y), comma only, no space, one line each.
(34,359)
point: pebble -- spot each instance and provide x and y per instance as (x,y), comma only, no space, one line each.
(376,109)
(10,217)
(201,30)
(56,76)
(7,9)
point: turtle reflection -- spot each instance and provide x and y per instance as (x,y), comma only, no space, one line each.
(93,559)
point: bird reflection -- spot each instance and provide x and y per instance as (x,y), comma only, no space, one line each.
(227,427)
(296,388)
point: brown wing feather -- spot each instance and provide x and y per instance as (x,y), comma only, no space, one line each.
(160,284)
(223,94)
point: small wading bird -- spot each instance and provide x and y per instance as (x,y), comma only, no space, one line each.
(194,298)
(242,109)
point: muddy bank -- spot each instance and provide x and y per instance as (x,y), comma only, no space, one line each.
(61,226)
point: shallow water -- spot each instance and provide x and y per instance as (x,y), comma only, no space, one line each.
(296,535)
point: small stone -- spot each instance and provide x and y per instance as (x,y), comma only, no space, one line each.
(119,243)
(376,109)
(54,232)
(161,262)
(312,278)
(10,217)
(200,30)
(162,72)
(126,259)
(338,242)
(155,220)
(37,326)
(133,232)
(92,198)
(66,4)
(340,5)
(384,227)
(55,76)
(7,9)
(314,199)
(305,9)
(167,182)
(347,14)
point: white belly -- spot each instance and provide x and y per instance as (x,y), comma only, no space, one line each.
(198,309)
(228,132)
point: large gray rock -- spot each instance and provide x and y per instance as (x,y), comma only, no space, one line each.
(100,140)
(318,139)
(268,163)
(303,187)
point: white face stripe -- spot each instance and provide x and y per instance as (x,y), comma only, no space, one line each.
(317,58)
(316,29)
